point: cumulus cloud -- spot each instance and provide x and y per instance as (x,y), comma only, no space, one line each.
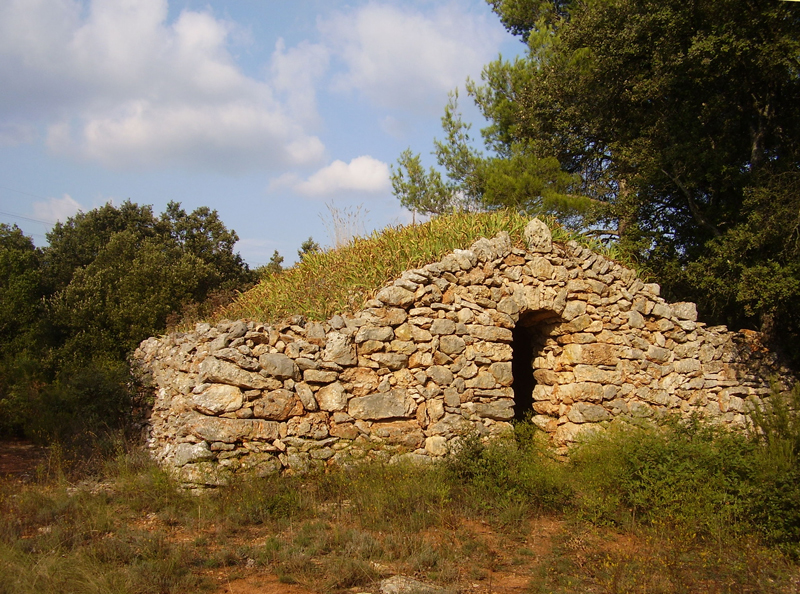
(115,82)
(409,59)
(362,174)
(296,72)
(56,209)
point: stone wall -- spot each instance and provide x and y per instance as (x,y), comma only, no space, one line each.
(465,344)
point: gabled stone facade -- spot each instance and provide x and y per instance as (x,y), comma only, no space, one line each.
(555,332)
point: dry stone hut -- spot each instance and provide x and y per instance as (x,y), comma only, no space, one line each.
(486,335)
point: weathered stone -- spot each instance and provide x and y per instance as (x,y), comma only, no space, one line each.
(573,309)
(635,319)
(392,361)
(318,376)
(214,371)
(483,381)
(311,426)
(186,453)
(279,366)
(218,398)
(232,430)
(339,349)
(396,296)
(443,326)
(402,433)
(277,405)
(582,412)
(490,333)
(538,237)
(452,345)
(436,445)
(592,354)
(441,375)
(361,381)
(306,396)
(380,334)
(502,373)
(393,404)
(685,311)
(332,397)
(499,410)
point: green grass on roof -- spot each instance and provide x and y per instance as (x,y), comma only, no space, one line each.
(341,280)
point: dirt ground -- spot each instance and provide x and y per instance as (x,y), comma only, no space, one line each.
(19,459)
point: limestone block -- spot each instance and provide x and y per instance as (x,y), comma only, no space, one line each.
(538,237)
(452,345)
(235,356)
(658,354)
(318,376)
(380,334)
(277,405)
(397,296)
(339,349)
(311,426)
(502,373)
(687,366)
(232,430)
(582,391)
(332,397)
(546,377)
(435,410)
(218,398)
(361,380)
(499,410)
(186,453)
(483,381)
(639,409)
(279,366)
(490,333)
(635,319)
(215,371)
(573,309)
(402,433)
(442,326)
(436,445)
(440,374)
(420,359)
(582,412)
(306,396)
(592,354)
(590,373)
(344,430)
(484,250)
(450,425)
(392,404)
(685,311)
(392,361)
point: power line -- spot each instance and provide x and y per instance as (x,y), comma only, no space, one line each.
(19,216)
(24,193)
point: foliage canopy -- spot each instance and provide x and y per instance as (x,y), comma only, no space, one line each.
(70,312)
(667,126)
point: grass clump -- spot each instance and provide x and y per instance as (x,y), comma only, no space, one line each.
(339,280)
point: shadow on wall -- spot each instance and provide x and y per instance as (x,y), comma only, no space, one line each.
(530,336)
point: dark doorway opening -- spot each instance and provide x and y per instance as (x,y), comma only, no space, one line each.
(522,344)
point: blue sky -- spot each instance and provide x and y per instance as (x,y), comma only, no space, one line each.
(269,111)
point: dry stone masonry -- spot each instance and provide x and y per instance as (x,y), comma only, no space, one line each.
(489,334)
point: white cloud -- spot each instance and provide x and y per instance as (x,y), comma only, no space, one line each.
(56,209)
(116,83)
(409,59)
(295,72)
(362,174)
